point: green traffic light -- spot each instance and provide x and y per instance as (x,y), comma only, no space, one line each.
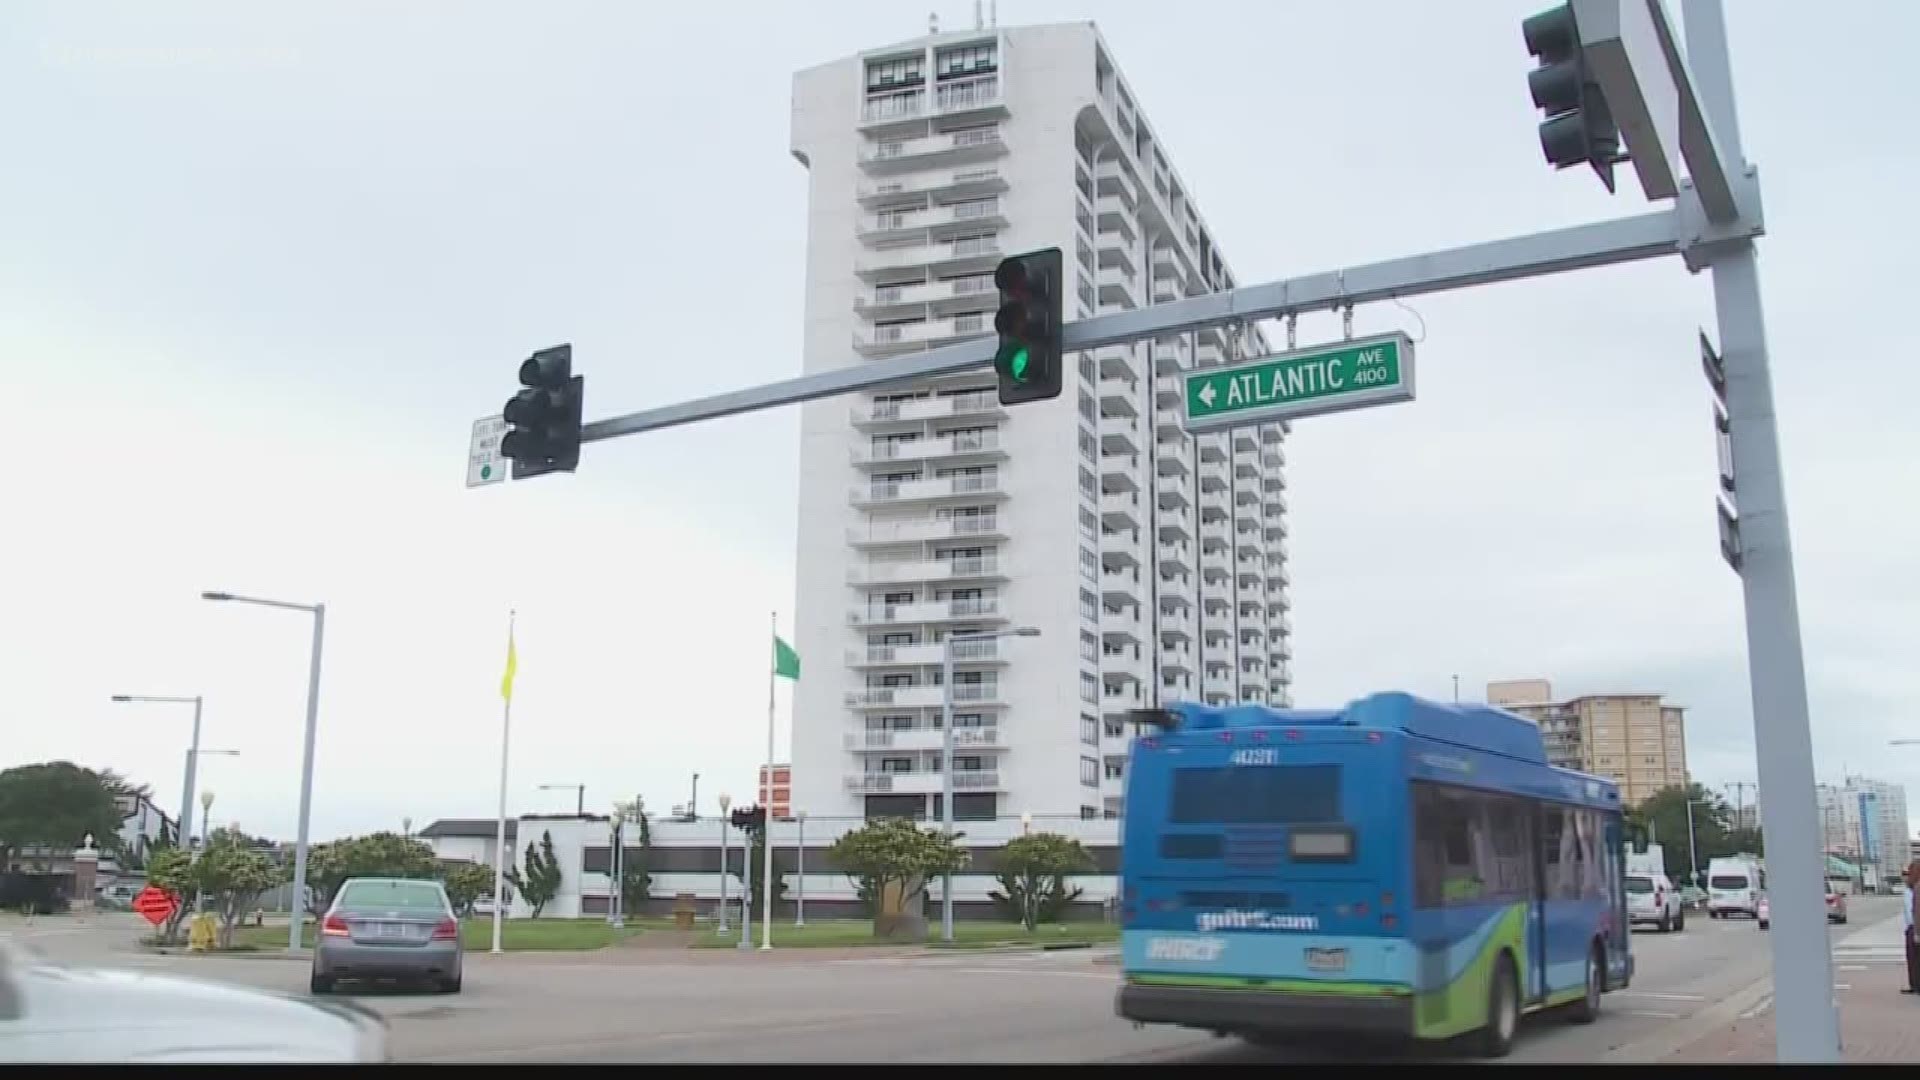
(1018,362)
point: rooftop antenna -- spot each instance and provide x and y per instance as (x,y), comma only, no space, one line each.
(933,22)
(993,14)
(979,21)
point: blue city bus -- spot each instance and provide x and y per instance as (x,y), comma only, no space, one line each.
(1399,867)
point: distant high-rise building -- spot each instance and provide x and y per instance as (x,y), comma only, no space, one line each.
(1634,739)
(1865,820)
(776,792)
(1153,563)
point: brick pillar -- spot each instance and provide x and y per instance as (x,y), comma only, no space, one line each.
(86,867)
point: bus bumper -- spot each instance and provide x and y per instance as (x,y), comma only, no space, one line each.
(1263,1010)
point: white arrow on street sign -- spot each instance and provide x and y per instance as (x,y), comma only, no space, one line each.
(484,463)
(1206,395)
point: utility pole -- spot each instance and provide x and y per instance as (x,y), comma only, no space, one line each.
(1740,788)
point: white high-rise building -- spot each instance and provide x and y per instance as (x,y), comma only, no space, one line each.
(1866,820)
(1153,564)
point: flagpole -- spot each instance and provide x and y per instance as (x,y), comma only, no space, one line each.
(766,799)
(500,821)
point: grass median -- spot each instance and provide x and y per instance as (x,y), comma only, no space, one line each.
(836,933)
(516,935)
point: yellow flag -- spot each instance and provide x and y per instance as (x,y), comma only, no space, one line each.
(513,665)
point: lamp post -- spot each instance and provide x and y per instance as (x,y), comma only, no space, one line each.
(193,753)
(725,801)
(614,918)
(746,886)
(298,900)
(800,868)
(946,751)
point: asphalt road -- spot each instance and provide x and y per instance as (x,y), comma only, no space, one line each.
(809,1006)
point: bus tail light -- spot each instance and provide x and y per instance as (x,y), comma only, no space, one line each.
(1226,736)
(1373,736)
(1360,909)
(1293,734)
(1259,735)
(1388,921)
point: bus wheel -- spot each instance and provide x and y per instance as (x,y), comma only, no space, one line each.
(1503,1011)
(1587,1009)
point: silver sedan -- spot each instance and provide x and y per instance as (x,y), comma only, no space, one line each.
(388,928)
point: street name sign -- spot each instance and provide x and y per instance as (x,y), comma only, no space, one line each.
(485,465)
(1353,374)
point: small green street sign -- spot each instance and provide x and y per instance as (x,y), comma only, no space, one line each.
(1328,378)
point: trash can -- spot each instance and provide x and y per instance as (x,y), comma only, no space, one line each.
(683,911)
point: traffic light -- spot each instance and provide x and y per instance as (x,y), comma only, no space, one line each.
(1029,320)
(1579,127)
(749,817)
(543,420)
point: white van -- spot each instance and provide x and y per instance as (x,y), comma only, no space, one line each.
(1734,884)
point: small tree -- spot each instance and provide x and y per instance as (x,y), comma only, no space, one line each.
(1033,877)
(889,853)
(636,883)
(466,881)
(233,874)
(757,851)
(171,870)
(539,882)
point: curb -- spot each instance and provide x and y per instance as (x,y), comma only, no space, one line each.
(245,954)
(1676,1037)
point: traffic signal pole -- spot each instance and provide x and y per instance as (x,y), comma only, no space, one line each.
(1806,1019)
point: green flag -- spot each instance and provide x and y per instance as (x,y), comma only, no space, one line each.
(786,662)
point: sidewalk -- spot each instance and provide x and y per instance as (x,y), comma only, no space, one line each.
(1878,1023)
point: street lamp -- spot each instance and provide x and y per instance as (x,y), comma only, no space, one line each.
(725,801)
(579,796)
(614,890)
(186,793)
(946,751)
(298,900)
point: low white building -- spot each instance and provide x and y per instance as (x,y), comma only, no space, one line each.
(684,860)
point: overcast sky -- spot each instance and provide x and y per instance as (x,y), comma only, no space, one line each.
(261,266)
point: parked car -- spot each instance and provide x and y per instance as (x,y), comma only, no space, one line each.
(388,928)
(56,1014)
(1652,898)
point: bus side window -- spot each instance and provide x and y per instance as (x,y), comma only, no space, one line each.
(1556,847)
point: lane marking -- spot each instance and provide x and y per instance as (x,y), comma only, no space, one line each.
(1657,996)
(1653,1015)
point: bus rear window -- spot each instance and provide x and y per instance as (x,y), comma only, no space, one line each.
(1267,795)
